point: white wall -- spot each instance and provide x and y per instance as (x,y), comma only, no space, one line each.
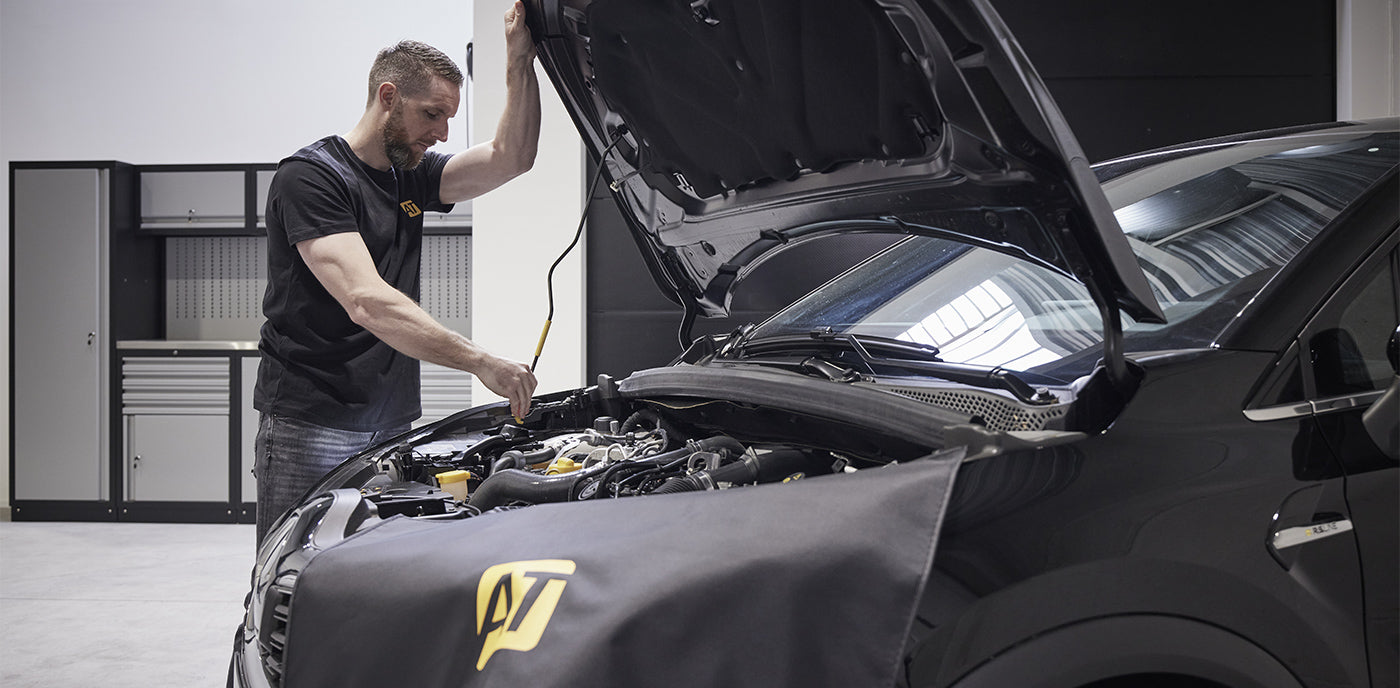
(1368,78)
(218,81)
(519,229)
(234,81)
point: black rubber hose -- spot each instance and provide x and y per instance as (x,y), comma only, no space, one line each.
(518,459)
(652,471)
(735,447)
(515,485)
(637,418)
(766,468)
(685,483)
(489,444)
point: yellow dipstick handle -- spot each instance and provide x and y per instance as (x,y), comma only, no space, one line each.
(544,333)
(539,348)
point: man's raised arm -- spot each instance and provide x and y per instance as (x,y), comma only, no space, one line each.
(511,153)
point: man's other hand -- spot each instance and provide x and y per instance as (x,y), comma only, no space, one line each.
(519,43)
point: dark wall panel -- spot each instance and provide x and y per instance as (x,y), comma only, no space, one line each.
(1129,76)
(617,278)
(1121,116)
(620,342)
(1078,38)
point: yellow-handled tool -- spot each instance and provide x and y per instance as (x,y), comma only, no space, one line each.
(539,348)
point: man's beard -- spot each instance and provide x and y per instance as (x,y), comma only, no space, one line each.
(396,143)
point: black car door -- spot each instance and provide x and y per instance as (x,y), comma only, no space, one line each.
(1345,370)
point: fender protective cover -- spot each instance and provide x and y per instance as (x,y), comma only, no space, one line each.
(812,582)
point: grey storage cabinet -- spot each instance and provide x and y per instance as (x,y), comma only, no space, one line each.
(60,341)
(176,458)
(186,429)
(203,200)
(248,433)
(193,199)
(176,428)
(136,305)
(80,278)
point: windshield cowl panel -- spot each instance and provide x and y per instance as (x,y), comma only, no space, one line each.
(913,409)
(901,417)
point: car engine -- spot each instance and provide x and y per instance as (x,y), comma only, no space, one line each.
(513,465)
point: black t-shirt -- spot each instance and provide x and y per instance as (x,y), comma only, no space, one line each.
(317,365)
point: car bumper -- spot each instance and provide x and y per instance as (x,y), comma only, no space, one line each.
(245,668)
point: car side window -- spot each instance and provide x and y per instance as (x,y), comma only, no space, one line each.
(1346,342)
(1285,386)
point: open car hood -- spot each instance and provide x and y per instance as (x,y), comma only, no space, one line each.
(730,129)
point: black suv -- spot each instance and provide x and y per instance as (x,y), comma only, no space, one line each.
(1058,425)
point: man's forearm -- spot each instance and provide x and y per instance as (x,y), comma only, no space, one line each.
(518,132)
(402,324)
(511,152)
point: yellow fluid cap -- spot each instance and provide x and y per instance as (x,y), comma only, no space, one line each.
(452,477)
(562,465)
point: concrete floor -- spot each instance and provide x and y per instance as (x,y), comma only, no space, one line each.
(120,604)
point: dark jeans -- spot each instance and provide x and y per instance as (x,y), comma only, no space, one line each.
(291,456)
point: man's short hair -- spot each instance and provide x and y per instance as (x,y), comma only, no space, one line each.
(411,66)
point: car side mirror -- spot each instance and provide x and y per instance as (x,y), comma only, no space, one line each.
(1382,420)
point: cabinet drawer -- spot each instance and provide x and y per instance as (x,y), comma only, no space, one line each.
(175,386)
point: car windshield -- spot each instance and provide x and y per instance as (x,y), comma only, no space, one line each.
(1209,230)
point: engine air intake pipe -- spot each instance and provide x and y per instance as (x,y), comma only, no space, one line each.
(766,468)
(517,459)
(513,485)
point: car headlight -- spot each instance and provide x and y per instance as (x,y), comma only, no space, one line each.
(269,555)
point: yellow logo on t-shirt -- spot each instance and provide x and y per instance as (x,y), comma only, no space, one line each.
(411,208)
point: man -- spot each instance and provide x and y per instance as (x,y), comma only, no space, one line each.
(344,224)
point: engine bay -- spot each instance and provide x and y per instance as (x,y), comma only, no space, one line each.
(595,444)
(512,466)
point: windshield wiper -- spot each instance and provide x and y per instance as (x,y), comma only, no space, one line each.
(741,344)
(924,358)
(735,341)
(911,356)
(978,376)
(923,352)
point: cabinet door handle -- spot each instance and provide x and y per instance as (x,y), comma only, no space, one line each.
(136,461)
(92,338)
